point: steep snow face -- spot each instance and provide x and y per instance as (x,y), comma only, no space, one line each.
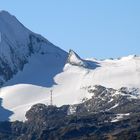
(18,44)
(40,70)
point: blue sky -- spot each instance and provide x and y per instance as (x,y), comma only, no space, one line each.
(93,28)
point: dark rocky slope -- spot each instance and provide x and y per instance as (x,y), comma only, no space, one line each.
(94,119)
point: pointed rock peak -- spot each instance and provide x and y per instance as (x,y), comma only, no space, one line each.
(74,59)
(73,56)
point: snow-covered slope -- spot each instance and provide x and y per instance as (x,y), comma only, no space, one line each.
(71,84)
(30,67)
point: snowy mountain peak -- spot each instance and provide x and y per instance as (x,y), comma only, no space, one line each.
(18,44)
(74,59)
